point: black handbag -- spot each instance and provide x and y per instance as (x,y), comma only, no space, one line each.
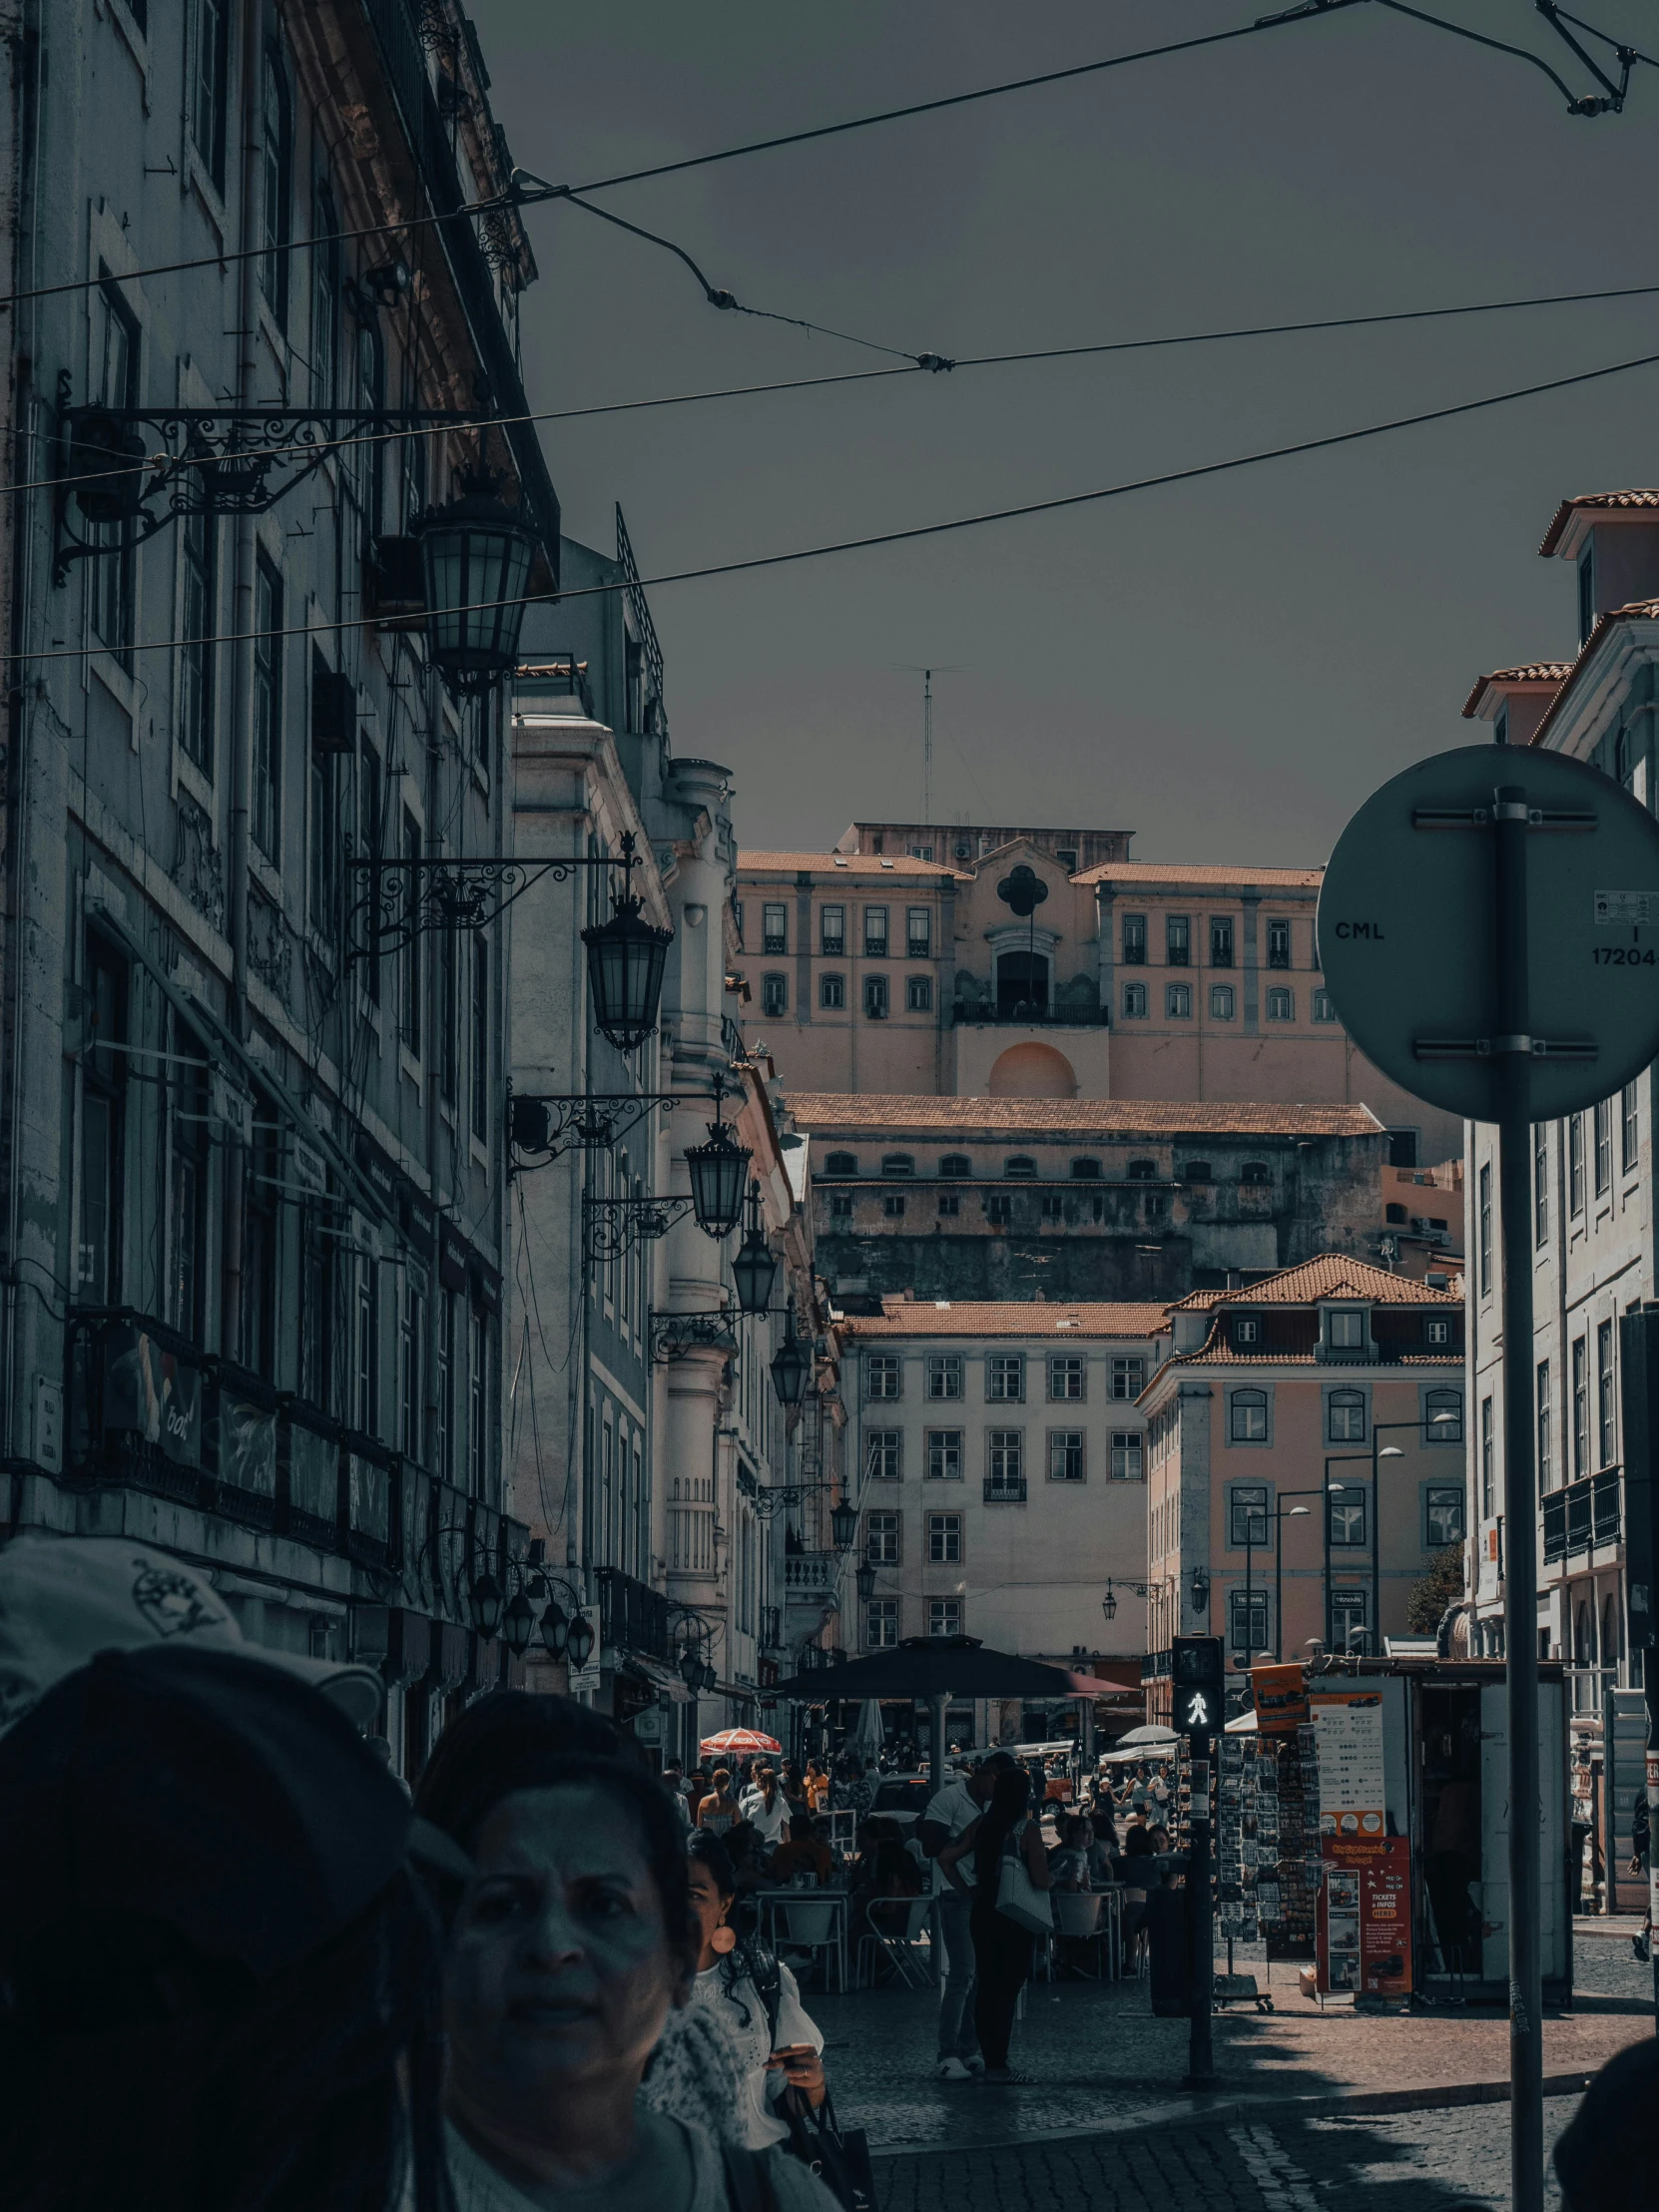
(838,2156)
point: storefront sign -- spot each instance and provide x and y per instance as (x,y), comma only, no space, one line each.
(1365,1916)
(1280,1696)
(152,1394)
(1348,1728)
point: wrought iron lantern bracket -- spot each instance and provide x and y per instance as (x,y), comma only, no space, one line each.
(673,1336)
(614,1226)
(544,1125)
(401,899)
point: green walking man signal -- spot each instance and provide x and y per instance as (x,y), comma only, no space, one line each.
(1199,1669)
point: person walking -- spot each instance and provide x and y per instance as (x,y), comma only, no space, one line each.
(766,1805)
(951,1812)
(1002,1946)
(718,1811)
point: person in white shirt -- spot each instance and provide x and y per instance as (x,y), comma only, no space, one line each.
(949,1811)
(765,1804)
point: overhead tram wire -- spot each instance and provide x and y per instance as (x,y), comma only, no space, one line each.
(875,375)
(915,531)
(527,190)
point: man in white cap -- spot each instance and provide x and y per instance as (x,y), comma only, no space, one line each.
(65,1599)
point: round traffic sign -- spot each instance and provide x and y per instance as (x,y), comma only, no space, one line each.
(1409,937)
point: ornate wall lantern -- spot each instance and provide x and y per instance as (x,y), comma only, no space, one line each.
(718,1170)
(476,554)
(625,964)
(755,1270)
(790,1366)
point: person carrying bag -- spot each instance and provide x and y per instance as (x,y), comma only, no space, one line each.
(1010,1907)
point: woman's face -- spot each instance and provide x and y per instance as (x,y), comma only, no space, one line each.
(560,1969)
(709,1907)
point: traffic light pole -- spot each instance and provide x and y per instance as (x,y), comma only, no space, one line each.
(1201,1935)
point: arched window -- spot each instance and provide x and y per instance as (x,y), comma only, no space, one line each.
(842,1163)
(1346,1418)
(1254,1171)
(955,1164)
(1143,1170)
(1019,1168)
(1085,1171)
(897,1163)
(1249,1417)
(1197,1171)
(1443,1431)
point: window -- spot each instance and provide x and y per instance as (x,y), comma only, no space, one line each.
(1256,1172)
(198,540)
(944,1455)
(945,1540)
(413,503)
(1396,1216)
(944,1375)
(102,1147)
(1005,1463)
(208,84)
(1178,941)
(1065,1456)
(898,1163)
(1346,1418)
(1221,940)
(840,1206)
(1349,1631)
(1580,1408)
(945,1616)
(832,931)
(1248,1517)
(1630,1130)
(876,997)
(881,1539)
(1278,945)
(1324,1006)
(1281,1005)
(478,1398)
(875,932)
(1134,940)
(267,708)
(831,993)
(774,930)
(882,1624)
(260,1261)
(369,395)
(1134,1001)
(115,368)
(881,1375)
(1220,1002)
(1450,1403)
(1143,1170)
(1248,1620)
(1607,1449)
(1128,1376)
(373,834)
(1249,1417)
(1442,1508)
(1488,1472)
(883,1454)
(1178,1002)
(1603,1146)
(1546,1441)
(918,932)
(325,293)
(1128,1455)
(999,1208)
(1085,1171)
(326,836)
(1485,1207)
(186,1167)
(918,995)
(950,1202)
(1586,591)
(955,1164)
(413,1358)
(1540,1182)
(1575,1163)
(775,994)
(1006,1377)
(1348,1518)
(1246,1332)
(1065,1378)
(276,187)
(1198,1171)
(842,1163)
(1346,1331)
(893,1206)
(1054,1206)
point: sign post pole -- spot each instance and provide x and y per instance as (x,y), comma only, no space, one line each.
(1512,1044)
(1200,1702)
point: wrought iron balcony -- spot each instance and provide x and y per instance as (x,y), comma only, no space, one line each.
(632,1615)
(1005,1490)
(1584,1513)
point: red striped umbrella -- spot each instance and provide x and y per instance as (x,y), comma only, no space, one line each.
(739,1742)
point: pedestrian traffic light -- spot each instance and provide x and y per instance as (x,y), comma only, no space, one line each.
(1199,1671)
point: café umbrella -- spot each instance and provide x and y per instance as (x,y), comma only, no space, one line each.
(738,1742)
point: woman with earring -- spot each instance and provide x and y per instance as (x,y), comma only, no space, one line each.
(755,1999)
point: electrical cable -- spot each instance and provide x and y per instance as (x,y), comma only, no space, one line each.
(916,530)
(871,375)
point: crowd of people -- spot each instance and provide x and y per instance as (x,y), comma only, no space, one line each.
(241,1972)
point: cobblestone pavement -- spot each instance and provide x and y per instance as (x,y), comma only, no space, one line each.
(1411,2162)
(1101,2062)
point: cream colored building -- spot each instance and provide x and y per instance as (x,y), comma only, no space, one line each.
(940,962)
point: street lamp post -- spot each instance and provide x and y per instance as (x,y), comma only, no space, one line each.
(1389,1451)
(1335,1459)
(1280,1516)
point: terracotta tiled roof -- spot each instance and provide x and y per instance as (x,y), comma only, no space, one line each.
(1553,672)
(1639,609)
(846,1112)
(1335,1274)
(1607,502)
(839,864)
(974,1317)
(1215,1352)
(1203,871)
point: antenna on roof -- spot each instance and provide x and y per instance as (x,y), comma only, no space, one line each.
(941,668)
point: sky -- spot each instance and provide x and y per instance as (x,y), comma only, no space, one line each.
(1227,667)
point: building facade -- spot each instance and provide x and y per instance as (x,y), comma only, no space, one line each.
(949,964)
(252,1200)
(1003,1199)
(1330,1373)
(1593,1228)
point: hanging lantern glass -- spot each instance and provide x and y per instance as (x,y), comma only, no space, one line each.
(486,1605)
(626,956)
(555,1629)
(719,1171)
(475,555)
(705,1677)
(579,1643)
(755,1270)
(865,1581)
(1109,1603)
(691,1668)
(843,1526)
(518,1624)
(790,1366)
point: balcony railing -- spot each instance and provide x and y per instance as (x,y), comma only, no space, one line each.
(1005,1490)
(632,1615)
(1584,1513)
(811,1574)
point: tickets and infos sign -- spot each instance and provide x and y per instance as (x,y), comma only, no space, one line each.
(1363,1941)
(1348,1728)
